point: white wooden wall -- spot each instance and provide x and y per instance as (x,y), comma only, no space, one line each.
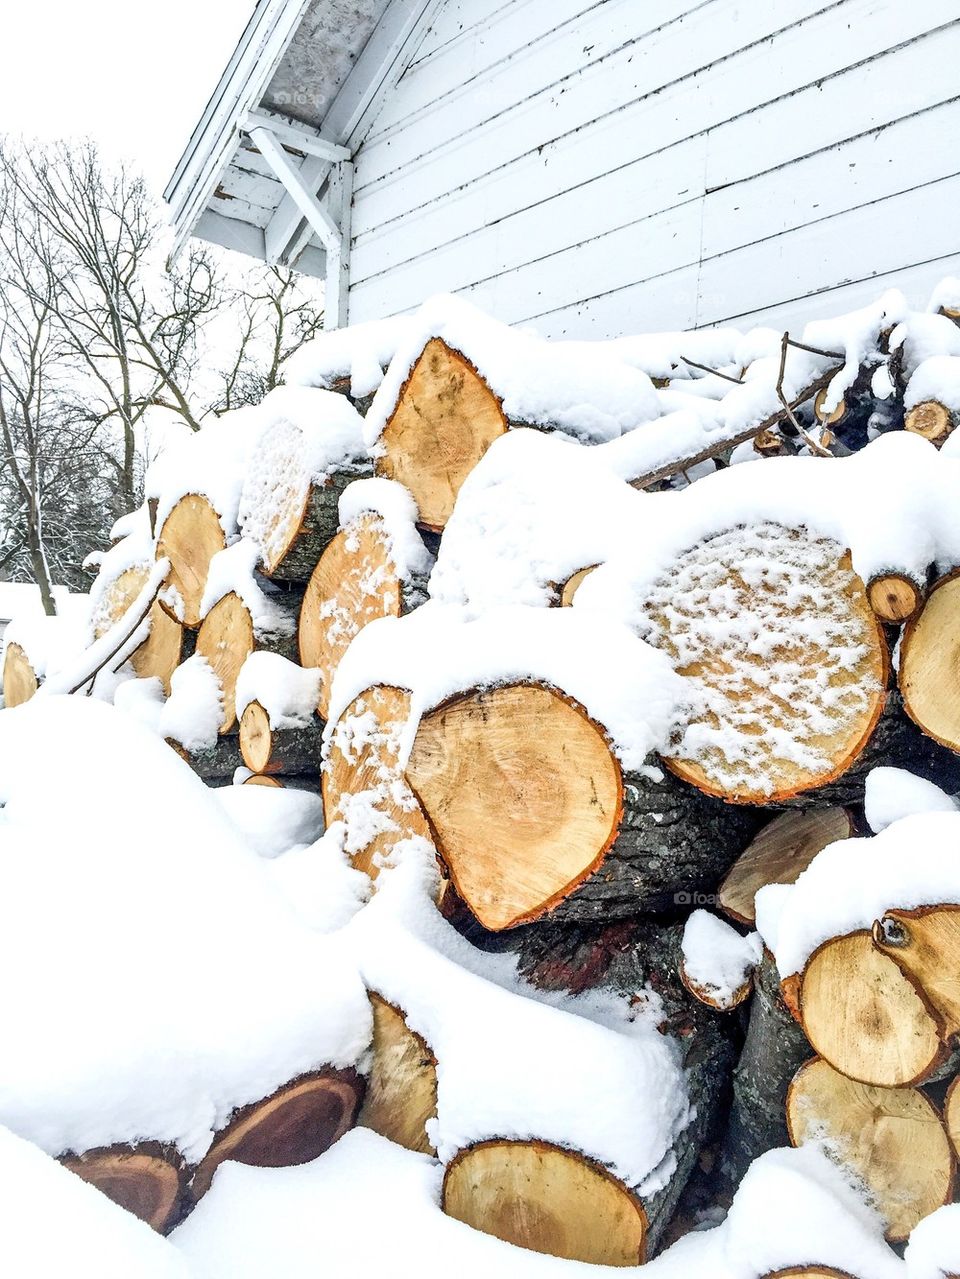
(597,168)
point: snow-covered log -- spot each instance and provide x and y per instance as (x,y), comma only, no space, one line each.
(266,749)
(459,380)
(363,783)
(124,572)
(304,459)
(400,1099)
(376,566)
(892,1138)
(292,1126)
(774,628)
(190,537)
(147,1179)
(279,728)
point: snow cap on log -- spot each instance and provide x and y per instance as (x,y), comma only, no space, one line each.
(932,397)
(439,651)
(919,337)
(533,512)
(193,713)
(718,962)
(576,387)
(355,356)
(934,1248)
(396,511)
(232,570)
(134,834)
(891,794)
(56,1224)
(509,1065)
(309,445)
(854,882)
(287,692)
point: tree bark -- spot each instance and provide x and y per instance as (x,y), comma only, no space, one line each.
(318,525)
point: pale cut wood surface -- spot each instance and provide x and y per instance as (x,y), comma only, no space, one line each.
(145,1182)
(354,583)
(549,1200)
(893,1138)
(951,1115)
(925,945)
(226,639)
(573,583)
(368,763)
(259,780)
(445,419)
(256,738)
(894,598)
(735,674)
(931,419)
(930,664)
(779,854)
(19,678)
(401,1093)
(160,653)
(190,537)
(293,1126)
(524,795)
(864,1017)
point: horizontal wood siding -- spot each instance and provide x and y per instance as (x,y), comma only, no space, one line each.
(606,167)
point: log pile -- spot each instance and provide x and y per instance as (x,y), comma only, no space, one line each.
(596,719)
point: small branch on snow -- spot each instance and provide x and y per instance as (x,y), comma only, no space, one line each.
(705,368)
(805,435)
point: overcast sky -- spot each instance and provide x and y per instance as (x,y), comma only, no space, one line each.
(132,74)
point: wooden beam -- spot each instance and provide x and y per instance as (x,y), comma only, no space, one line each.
(306,201)
(300,138)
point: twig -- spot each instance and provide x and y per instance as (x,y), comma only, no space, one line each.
(815,350)
(705,368)
(91,676)
(806,436)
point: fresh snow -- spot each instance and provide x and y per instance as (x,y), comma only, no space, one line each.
(272,821)
(439,651)
(54,1224)
(934,1248)
(850,884)
(136,870)
(716,958)
(936,378)
(359,353)
(892,793)
(397,512)
(287,692)
(569,386)
(232,570)
(306,435)
(193,713)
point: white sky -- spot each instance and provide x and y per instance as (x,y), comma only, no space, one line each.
(134,75)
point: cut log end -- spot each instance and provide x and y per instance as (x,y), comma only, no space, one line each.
(864,1017)
(779,855)
(366,762)
(401,1095)
(932,420)
(19,678)
(160,653)
(294,1126)
(445,419)
(710,997)
(558,805)
(549,1200)
(190,537)
(573,583)
(263,780)
(925,946)
(930,664)
(823,417)
(226,639)
(149,1182)
(894,598)
(951,1115)
(256,738)
(892,1138)
(793,689)
(354,583)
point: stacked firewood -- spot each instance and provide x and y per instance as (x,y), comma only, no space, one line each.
(589,781)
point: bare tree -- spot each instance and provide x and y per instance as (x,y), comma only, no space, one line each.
(94,332)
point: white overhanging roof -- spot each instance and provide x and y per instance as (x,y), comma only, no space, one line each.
(267,170)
